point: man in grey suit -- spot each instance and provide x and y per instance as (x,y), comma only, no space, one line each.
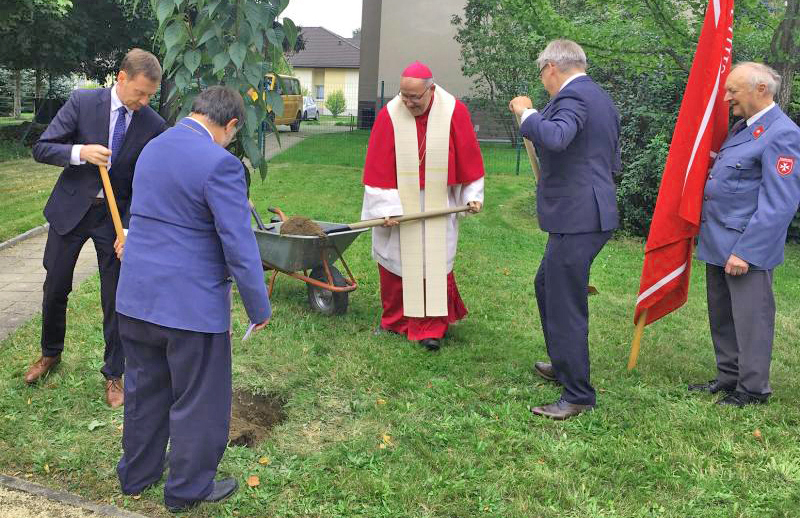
(577,138)
(750,198)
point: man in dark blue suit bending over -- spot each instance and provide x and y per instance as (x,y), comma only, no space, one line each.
(189,232)
(109,127)
(577,139)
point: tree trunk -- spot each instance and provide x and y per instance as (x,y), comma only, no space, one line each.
(784,51)
(37,95)
(17,114)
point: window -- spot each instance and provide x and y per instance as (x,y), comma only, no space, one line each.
(319,91)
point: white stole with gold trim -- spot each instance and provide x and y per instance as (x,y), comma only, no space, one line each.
(423,244)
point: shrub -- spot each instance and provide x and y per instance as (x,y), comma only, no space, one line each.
(335,103)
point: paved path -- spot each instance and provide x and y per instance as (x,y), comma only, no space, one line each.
(21,278)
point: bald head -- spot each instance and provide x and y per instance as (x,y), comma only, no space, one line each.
(750,88)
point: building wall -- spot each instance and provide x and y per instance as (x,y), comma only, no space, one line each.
(421,30)
(331,79)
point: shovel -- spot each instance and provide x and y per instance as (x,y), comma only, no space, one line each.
(369,223)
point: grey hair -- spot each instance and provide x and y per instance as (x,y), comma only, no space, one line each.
(428,82)
(564,54)
(761,74)
(220,104)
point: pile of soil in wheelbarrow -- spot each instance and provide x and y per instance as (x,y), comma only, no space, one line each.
(254,416)
(301,226)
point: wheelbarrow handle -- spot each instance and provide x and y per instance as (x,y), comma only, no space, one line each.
(368,223)
(279,212)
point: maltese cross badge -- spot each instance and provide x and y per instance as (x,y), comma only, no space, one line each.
(785,165)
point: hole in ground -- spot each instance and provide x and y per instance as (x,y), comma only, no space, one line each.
(254,416)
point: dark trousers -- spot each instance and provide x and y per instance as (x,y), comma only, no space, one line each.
(562,295)
(741,314)
(60,255)
(177,389)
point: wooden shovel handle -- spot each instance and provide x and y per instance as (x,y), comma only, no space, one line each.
(112,204)
(532,158)
(368,223)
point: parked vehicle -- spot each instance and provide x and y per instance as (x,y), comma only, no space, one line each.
(310,110)
(289,89)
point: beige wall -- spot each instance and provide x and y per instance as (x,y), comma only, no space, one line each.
(421,30)
(332,79)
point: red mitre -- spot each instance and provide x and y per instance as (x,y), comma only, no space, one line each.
(417,70)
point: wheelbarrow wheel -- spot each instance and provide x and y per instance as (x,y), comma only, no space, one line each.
(325,301)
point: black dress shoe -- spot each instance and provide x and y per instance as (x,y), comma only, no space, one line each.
(560,410)
(545,370)
(741,399)
(712,387)
(431,344)
(223,488)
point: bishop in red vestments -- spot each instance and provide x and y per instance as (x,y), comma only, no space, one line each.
(382,198)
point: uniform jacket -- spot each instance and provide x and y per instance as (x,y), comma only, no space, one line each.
(84,119)
(752,193)
(189,231)
(577,139)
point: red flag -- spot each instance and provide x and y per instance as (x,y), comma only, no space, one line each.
(701,128)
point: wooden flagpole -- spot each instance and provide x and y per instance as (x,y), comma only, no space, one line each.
(637,339)
(112,204)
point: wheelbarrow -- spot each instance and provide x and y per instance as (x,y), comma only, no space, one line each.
(309,259)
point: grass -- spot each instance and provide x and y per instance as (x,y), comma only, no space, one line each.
(24,188)
(378,427)
(10,121)
(349,149)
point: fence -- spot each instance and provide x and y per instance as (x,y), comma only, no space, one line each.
(321,135)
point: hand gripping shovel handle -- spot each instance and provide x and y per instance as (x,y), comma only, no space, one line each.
(112,204)
(368,223)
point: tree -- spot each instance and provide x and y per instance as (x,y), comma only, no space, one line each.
(335,103)
(231,42)
(785,51)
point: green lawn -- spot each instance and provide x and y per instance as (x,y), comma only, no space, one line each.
(350,148)
(24,188)
(378,427)
(10,121)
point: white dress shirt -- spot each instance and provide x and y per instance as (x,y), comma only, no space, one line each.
(758,115)
(75,158)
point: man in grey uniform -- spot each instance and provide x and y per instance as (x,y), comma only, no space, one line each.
(750,198)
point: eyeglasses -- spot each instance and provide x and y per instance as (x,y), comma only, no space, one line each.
(542,69)
(414,98)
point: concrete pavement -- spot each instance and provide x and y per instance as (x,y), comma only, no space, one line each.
(22,275)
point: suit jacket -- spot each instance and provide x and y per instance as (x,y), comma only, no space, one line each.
(84,119)
(189,231)
(577,139)
(752,193)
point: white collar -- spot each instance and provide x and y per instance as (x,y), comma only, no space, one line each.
(204,127)
(115,102)
(758,115)
(571,78)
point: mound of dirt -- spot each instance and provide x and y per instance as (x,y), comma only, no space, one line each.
(301,226)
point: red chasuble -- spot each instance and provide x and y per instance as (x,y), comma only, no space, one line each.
(464,163)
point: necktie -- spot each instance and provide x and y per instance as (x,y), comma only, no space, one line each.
(119,133)
(739,126)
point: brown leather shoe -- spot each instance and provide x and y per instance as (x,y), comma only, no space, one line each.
(41,367)
(560,410)
(115,397)
(545,370)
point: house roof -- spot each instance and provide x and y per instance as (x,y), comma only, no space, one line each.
(326,49)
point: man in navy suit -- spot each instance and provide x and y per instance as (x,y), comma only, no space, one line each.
(577,139)
(189,232)
(751,195)
(109,127)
